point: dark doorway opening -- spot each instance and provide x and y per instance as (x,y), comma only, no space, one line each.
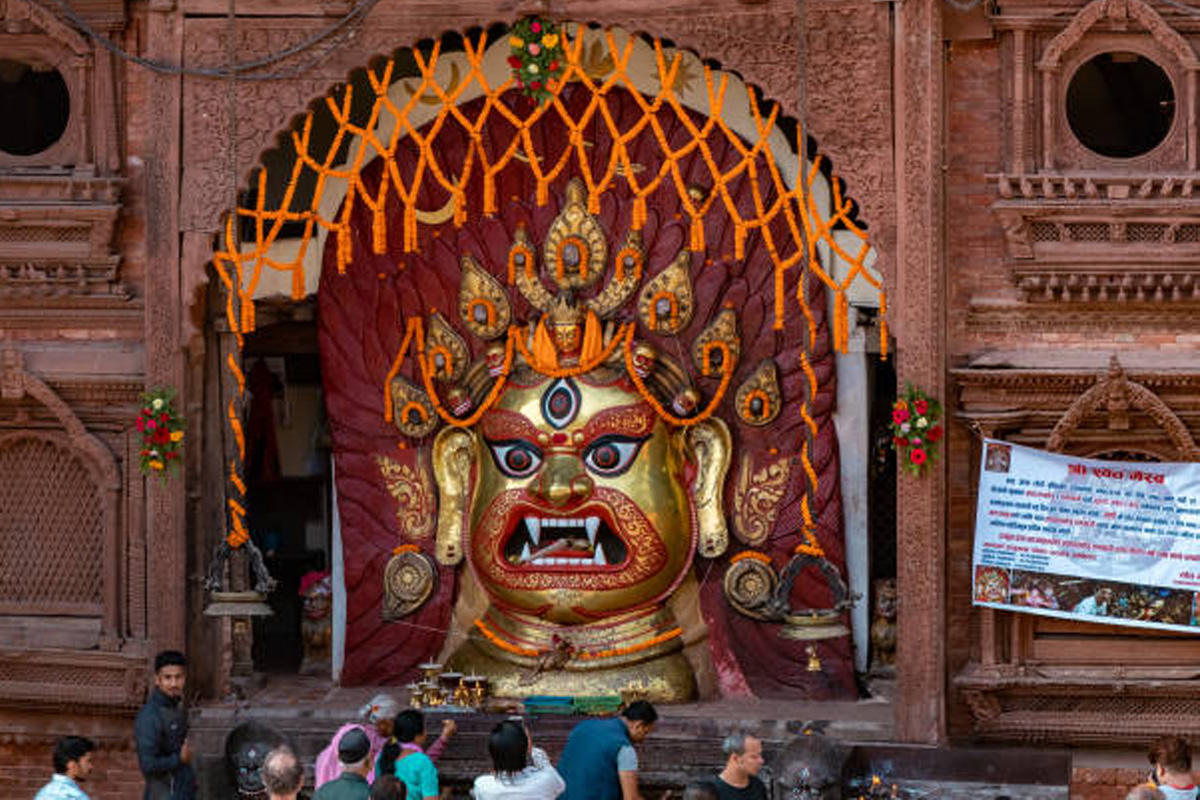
(289,500)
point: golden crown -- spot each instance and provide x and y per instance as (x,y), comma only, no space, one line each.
(576,325)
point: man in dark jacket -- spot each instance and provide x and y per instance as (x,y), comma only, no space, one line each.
(599,761)
(160,732)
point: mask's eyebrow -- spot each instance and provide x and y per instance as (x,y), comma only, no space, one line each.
(634,420)
(500,423)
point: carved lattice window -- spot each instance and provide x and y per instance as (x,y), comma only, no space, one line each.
(52,530)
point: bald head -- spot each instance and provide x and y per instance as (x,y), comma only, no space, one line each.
(282,774)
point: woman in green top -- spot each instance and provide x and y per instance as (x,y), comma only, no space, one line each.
(405,757)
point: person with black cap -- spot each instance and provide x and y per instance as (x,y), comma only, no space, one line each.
(354,756)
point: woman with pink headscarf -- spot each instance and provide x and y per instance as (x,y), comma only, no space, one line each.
(376,721)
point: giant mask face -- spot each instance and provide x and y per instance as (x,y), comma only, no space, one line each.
(582,500)
(579,474)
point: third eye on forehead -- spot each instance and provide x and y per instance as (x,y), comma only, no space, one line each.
(560,403)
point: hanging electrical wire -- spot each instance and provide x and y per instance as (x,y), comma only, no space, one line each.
(338,33)
(1184,7)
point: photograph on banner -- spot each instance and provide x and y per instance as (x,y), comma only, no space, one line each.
(1098,541)
(1084,597)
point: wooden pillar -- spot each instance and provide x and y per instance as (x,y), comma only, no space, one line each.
(165,519)
(1018,161)
(1047,121)
(919,325)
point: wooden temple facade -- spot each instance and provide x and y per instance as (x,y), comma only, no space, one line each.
(1047,292)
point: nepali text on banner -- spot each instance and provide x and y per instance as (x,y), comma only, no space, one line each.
(1101,541)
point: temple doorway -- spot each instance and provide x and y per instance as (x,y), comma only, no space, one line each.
(287,478)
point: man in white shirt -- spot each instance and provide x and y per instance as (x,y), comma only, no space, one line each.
(1095,605)
(72,765)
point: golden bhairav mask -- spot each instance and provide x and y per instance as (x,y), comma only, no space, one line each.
(582,469)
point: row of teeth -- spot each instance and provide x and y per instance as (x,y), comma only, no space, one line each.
(597,559)
(534,525)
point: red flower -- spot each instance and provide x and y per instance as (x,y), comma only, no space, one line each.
(920,406)
(934,433)
(163,418)
(917,456)
(900,441)
(535,85)
(162,436)
(514,62)
(899,415)
(536,27)
(553,66)
(172,455)
(140,424)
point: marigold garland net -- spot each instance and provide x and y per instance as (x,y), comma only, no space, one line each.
(240,264)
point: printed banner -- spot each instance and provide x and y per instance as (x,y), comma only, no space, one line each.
(1098,541)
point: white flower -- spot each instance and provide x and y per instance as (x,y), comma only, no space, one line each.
(906,427)
(922,422)
(157,404)
(533,69)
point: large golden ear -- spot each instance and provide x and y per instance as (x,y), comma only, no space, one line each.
(453,463)
(712,448)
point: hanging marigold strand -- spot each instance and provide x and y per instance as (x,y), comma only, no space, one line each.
(240,271)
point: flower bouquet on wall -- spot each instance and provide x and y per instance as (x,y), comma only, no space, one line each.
(161,428)
(537,56)
(916,429)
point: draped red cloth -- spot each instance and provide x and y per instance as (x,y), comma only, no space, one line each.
(362,321)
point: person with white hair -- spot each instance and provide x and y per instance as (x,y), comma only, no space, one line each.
(377,716)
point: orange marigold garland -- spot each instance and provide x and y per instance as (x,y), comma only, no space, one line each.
(537,56)
(916,429)
(162,433)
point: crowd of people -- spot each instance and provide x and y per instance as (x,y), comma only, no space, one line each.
(383,756)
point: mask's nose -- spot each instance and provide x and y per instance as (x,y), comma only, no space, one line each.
(562,481)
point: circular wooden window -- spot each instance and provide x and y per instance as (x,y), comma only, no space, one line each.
(1120,105)
(35,106)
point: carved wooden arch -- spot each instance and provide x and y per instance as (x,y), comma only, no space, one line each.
(50,25)
(15,384)
(1139,10)
(334,192)
(1115,393)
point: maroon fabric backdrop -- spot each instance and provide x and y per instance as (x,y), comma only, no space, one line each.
(362,320)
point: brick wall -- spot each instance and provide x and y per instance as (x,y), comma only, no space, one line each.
(26,768)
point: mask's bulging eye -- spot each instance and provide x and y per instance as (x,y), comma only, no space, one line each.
(516,458)
(609,456)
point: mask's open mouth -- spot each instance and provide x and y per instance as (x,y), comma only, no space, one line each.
(584,543)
